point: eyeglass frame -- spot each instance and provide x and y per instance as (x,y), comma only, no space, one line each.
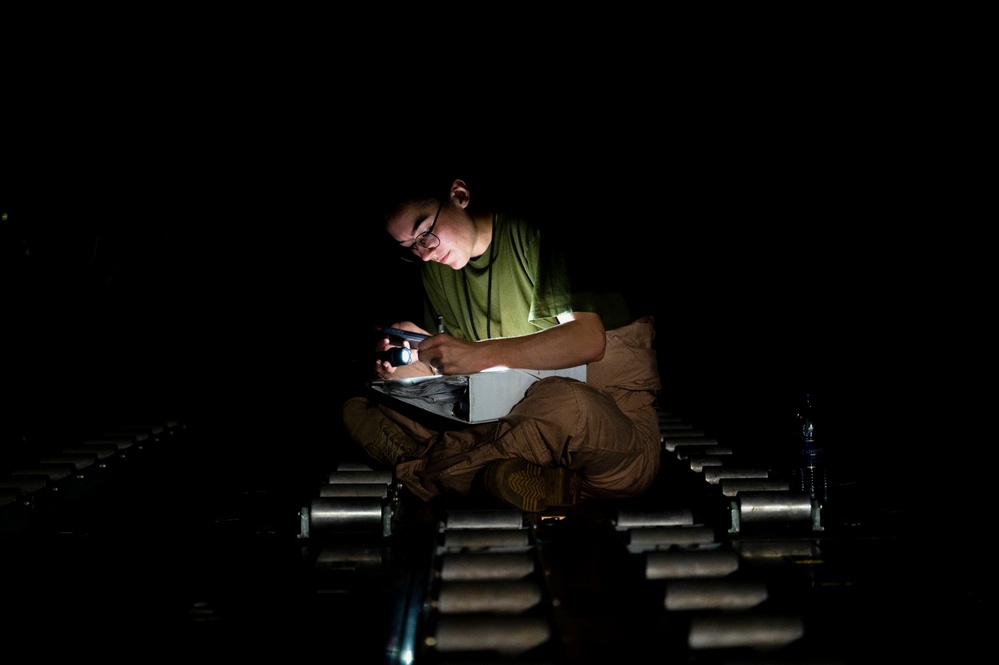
(412,249)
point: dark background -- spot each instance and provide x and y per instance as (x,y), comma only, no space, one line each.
(245,285)
(192,241)
(795,198)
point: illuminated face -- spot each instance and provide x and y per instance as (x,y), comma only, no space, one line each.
(438,233)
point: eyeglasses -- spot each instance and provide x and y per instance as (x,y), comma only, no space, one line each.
(426,240)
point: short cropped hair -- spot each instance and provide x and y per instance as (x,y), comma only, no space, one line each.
(399,186)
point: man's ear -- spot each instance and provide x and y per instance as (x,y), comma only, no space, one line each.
(459,193)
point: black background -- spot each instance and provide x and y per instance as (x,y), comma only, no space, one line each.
(194,240)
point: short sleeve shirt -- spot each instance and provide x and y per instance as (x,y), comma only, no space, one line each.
(518,286)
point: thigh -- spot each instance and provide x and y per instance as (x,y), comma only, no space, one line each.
(581,427)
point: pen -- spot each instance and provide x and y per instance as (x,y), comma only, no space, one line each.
(440,324)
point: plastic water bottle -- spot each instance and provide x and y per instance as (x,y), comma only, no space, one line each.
(812,474)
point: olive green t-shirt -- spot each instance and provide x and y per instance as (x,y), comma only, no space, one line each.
(518,286)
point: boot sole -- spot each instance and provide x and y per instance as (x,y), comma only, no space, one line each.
(532,488)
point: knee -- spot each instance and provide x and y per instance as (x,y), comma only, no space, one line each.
(551,393)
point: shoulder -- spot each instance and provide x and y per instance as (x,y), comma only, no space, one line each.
(516,229)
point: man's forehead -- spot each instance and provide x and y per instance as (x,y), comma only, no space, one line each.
(406,221)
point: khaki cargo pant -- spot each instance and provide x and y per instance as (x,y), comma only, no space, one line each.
(606,429)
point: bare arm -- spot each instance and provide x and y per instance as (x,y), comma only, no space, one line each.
(579,339)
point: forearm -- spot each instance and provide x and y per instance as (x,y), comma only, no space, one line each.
(576,342)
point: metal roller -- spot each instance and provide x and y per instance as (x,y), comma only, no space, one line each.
(78,460)
(714,474)
(457,539)
(356,477)
(714,594)
(727,631)
(627,519)
(774,506)
(54,472)
(353,466)
(687,450)
(25,483)
(349,556)
(751,507)
(732,486)
(508,635)
(119,442)
(671,440)
(486,565)
(668,536)
(700,462)
(354,489)
(350,513)
(763,550)
(101,452)
(504,596)
(137,434)
(695,563)
(485,519)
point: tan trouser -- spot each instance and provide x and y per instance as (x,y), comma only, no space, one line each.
(560,422)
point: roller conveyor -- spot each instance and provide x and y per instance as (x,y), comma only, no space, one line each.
(743,570)
(71,467)
(587,584)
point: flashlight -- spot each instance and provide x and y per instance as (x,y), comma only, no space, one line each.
(396,356)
